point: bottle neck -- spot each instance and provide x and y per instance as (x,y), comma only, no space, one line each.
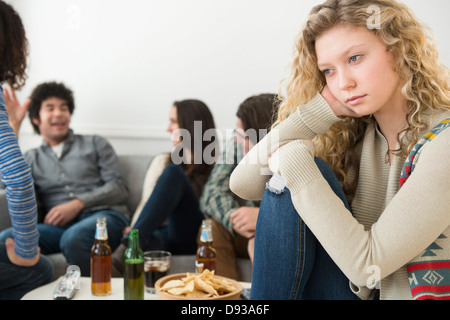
(101,233)
(133,243)
(206,236)
(134,247)
(206,243)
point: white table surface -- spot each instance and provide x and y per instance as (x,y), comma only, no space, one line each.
(84,293)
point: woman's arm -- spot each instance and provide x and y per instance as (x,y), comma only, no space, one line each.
(16,175)
(413,219)
(249,178)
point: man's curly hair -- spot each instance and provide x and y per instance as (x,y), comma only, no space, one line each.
(48,90)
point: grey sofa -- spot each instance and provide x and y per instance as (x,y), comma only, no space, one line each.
(134,169)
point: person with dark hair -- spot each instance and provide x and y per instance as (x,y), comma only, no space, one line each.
(22,268)
(234,219)
(77,177)
(168,216)
(43,92)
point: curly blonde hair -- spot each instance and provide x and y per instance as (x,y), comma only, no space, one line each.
(424,78)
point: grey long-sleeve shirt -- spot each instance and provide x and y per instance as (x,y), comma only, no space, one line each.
(88,169)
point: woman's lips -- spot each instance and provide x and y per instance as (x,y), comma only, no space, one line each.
(355,100)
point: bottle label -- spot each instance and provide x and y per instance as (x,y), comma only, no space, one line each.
(206,235)
(199,266)
(101,233)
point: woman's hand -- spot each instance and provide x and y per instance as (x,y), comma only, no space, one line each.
(338,108)
(15,259)
(16,112)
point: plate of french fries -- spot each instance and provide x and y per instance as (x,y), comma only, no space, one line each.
(195,286)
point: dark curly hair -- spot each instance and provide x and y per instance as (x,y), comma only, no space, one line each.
(44,91)
(13,47)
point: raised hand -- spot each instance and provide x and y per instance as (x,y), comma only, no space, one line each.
(16,111)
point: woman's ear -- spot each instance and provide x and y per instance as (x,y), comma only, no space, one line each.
(36,121)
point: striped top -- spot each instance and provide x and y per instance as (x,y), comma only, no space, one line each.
(20,194)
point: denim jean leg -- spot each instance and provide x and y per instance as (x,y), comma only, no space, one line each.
(284,250)
(15,281)
(327,281)
(173,199)
(77,241)
(49,237)
(295,248)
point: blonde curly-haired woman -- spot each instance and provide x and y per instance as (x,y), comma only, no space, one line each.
(366,85)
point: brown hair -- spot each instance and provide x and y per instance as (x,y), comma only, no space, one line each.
(13,47)
(258,112)
(189,112)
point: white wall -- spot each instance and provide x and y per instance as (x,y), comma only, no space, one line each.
(127,61)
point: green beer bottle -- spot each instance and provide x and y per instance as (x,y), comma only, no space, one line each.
(133,282)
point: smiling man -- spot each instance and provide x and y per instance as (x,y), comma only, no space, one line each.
(77,177)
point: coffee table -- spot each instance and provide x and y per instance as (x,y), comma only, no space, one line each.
(84,293)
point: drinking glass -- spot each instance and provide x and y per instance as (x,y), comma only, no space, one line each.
(156,266)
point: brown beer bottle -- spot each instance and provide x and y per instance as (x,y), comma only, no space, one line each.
(101,261)
(206,254)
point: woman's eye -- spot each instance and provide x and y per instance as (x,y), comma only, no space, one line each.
(326,72)
(355,58)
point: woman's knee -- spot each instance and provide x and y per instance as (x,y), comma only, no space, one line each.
(172,174)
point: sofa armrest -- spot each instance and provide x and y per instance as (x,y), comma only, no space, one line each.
(5,221)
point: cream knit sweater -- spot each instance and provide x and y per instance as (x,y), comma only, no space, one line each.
(388,228)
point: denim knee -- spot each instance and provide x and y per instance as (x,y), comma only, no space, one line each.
(5,234)
(173,173)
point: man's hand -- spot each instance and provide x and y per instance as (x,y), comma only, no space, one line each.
(15,259)
(244,221)
(16,112)
(64,213)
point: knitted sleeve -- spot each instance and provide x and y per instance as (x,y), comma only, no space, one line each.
(249,178)
(20,194)
(414,218)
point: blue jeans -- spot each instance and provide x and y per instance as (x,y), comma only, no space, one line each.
(75,240)
(16,281)
(172,199)
(289,262)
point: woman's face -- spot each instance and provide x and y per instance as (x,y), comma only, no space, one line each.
(173,127)
(359,70)
(241,137)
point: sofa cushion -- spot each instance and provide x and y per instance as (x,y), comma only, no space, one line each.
(134,169)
